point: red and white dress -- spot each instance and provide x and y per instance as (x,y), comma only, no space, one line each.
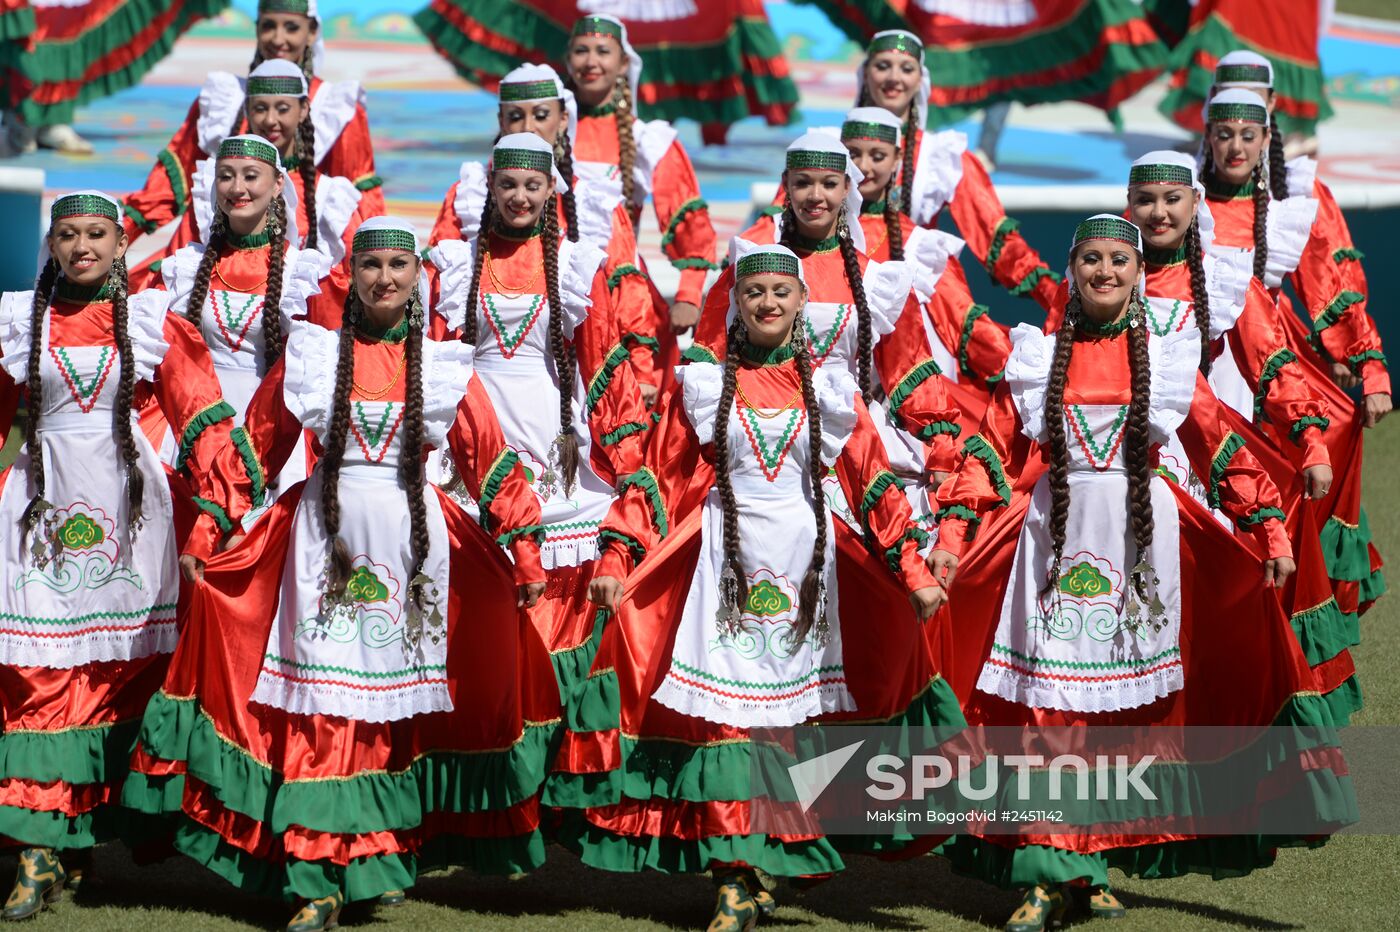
(312,748)
(90,602)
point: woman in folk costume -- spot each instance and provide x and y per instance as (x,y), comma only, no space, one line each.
(534,100)
(937,171)
(1291,239)
(536,307)
(95,527)
(357,692)
(861,315)
(633,159)
(969,346)
(747,584)
(1087,558)
(328,208)
(337,128)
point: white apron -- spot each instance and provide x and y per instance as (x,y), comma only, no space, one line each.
(99,592)
(1070,649)
(759,677)
(363,660)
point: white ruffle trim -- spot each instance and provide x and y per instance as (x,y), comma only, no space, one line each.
(447,366)
(308,386)
(303,270)
(18,650)
(1302,176)
(887,288)
(470,199)
(836,397)
(1227,285)
(1289,226)
(333,108)
(454,260)
(1027,374)
(701,384)
(1018,687)
(220,103)
(16,309)
(578,266)
(1175,360)
(302,699)
(928,251)
(337,199)
(937,173)
(654,139)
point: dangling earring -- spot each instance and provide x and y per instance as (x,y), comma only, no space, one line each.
(1134,309)
(274,222)
(798,337)
(414,311)
(843,227)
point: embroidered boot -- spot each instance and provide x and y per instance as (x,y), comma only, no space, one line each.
(1100,902)
(735,909)
(38,882)
(1042,908)
(393,898)
(318,915)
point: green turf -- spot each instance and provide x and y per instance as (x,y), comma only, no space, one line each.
(1347,885)
(1380,9)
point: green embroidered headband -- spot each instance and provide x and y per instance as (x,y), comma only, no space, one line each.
(798,159)
(285,6)
(243,147)
(84,205)
(759,263)
(1242,74)
(528,159)
(529,90)
(372,240)
(597,26)
(1159,174)
(856,129)
(1237,112)
(276,87)
(1105,227)
(898,42)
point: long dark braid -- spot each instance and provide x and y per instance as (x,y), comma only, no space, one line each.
(729,508)
(1278,167)
(626,144)
(894,232)
(1200,297)
(565,365)
(218,237)
(851,261)
(810,595)
(414,440)
(333,453)
(34,385)
(1261,222)
(565,164)
(272,297)
(121,413)
(1058,473)
(1137,449)
(906,191)
(306,155)
(488,217)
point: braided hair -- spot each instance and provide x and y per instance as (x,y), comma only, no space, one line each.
(411,453)
(43,290)
(565,363)
(121,413)
(565,164)
(306,164)
(1200,296)
(272,298)
(1137,449)
(894,232)
(626,144)
(333,453)
(906,160)
(1278,167)
(854,280)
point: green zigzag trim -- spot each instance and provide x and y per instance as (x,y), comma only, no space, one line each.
(604,376)
(1231,445)
(221,517)
(251,464)
(907,385)
(744,684)
(362,674)
(978,446)
(1333,311)
(1276,361)
(90,616)
(505,461)
(645,480)
(218,411)
(965,338)
(689,207)
(1085,664)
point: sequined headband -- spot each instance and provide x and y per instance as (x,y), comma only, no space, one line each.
(285,6)
(1159,174)
(1115,228)
(508,159)
(276,87)
(1230,113)
(798,159)
(249,149)
(371,240)
(529,90)
(899,43)
(858,130)
(1242,74)
(759,263)
(83,205)
(597,26)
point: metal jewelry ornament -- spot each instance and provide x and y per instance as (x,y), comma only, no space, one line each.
(728,615)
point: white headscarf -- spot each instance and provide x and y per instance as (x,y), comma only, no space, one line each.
(825,142)
(634,61)
(529,74)
(532,143)
(738,249)
(925,83)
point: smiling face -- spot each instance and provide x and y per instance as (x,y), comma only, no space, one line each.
(1163,212)
(768,304)
(384,280)
(521,195)
(595,63)
(244,190)
(86,247)
(877,161)
(816,197)
(1105,271)
(276,119)
(285,35)
(547,119)
(892,80)
(1236,148)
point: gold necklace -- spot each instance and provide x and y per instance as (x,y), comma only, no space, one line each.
(370,394)
(791,402)
(510,291)
(232,287)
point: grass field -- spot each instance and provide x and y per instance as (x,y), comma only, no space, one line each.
(1380,9)
(1349,884)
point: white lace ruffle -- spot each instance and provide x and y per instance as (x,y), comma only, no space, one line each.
(470,199)
(836,398)
(701,384)
(454,260)
(887,288)
(928,251)
(937,174)
(1028,373)
(220,104)
(303,270)
(654,139)
(16,309)
(1227,285)
(1289,226)
(145,326)
(308,387)
(447,366)
(333,108)
(337,199)
(1302,176)
(578,266)
(1175,360)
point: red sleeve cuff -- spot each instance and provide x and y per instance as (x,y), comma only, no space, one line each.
(527,561)
(1375,378)
(692,285)
(204,537)
(615,561)
(914,569)
(1314,450)
(951,535)
(942,454)
(1273,538)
